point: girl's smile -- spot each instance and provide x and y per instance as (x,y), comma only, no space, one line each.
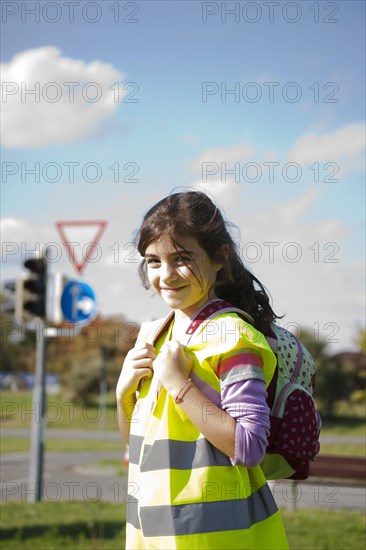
(181,273)
(163,289)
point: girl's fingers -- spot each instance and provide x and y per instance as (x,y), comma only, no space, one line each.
(144,363)
(142,352)
(145,372)
(171,348)
(143,345)
(172,345)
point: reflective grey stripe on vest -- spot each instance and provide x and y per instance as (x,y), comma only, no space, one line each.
(178,455)
(135,444)
(204,517)
(132,512)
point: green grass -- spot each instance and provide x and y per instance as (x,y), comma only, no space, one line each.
(17,412)
(343,449)
(121,468)
(323,529)
(63,525)
(115,467)
(61,413)
(101,526)
(345,425)
(19,444)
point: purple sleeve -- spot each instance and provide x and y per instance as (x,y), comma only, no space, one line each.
(246,402)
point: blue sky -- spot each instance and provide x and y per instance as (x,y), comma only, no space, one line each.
(310,55)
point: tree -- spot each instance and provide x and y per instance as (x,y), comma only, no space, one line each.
(17,355)
(84,380)
(332,386)
(360,339)
(68,351)
(331,382)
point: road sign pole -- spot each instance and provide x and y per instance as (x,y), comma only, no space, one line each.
(103,388)
(34,493)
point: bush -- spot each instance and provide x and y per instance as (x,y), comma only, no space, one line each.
(332,386)
(84,380)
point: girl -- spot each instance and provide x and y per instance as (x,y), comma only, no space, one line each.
(192,401)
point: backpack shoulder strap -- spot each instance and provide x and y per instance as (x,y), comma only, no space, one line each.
(150,331)
(289,339)
(300,355)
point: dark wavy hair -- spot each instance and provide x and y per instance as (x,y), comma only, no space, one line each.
(193,214)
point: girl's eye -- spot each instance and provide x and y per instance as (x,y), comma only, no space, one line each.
(152,261)
(182,259)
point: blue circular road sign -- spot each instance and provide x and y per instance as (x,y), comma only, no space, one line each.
(78,302)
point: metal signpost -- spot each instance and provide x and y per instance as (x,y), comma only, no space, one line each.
(38,425)
(37,283)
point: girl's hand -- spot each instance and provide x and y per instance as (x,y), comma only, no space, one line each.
(172,365)
(137,365)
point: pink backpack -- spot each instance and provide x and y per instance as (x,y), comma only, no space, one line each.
(295,424)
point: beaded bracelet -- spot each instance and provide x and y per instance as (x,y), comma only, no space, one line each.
(178,399)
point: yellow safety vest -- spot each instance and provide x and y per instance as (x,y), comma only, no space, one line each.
(184,492)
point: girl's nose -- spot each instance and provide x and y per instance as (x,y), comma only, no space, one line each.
(168,272)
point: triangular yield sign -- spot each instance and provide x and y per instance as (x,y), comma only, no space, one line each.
(89,228)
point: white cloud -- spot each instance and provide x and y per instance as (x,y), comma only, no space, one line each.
(302,265)
(223,193)
(18,230)
(218,155)
(22,239)
(71,97)
(345,145)
(287,214)
(10,224)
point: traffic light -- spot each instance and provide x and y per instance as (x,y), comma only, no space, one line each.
(13,299)
(34,301)
(55,287)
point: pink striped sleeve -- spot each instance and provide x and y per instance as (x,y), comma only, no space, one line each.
(240,364)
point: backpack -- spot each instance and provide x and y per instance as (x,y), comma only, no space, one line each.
(295,424)
(293,441)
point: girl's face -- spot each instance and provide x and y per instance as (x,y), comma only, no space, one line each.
(183,274)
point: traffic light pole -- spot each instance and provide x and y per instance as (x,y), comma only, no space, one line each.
(34,492)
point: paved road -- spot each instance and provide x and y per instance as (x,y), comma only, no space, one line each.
(65,478)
